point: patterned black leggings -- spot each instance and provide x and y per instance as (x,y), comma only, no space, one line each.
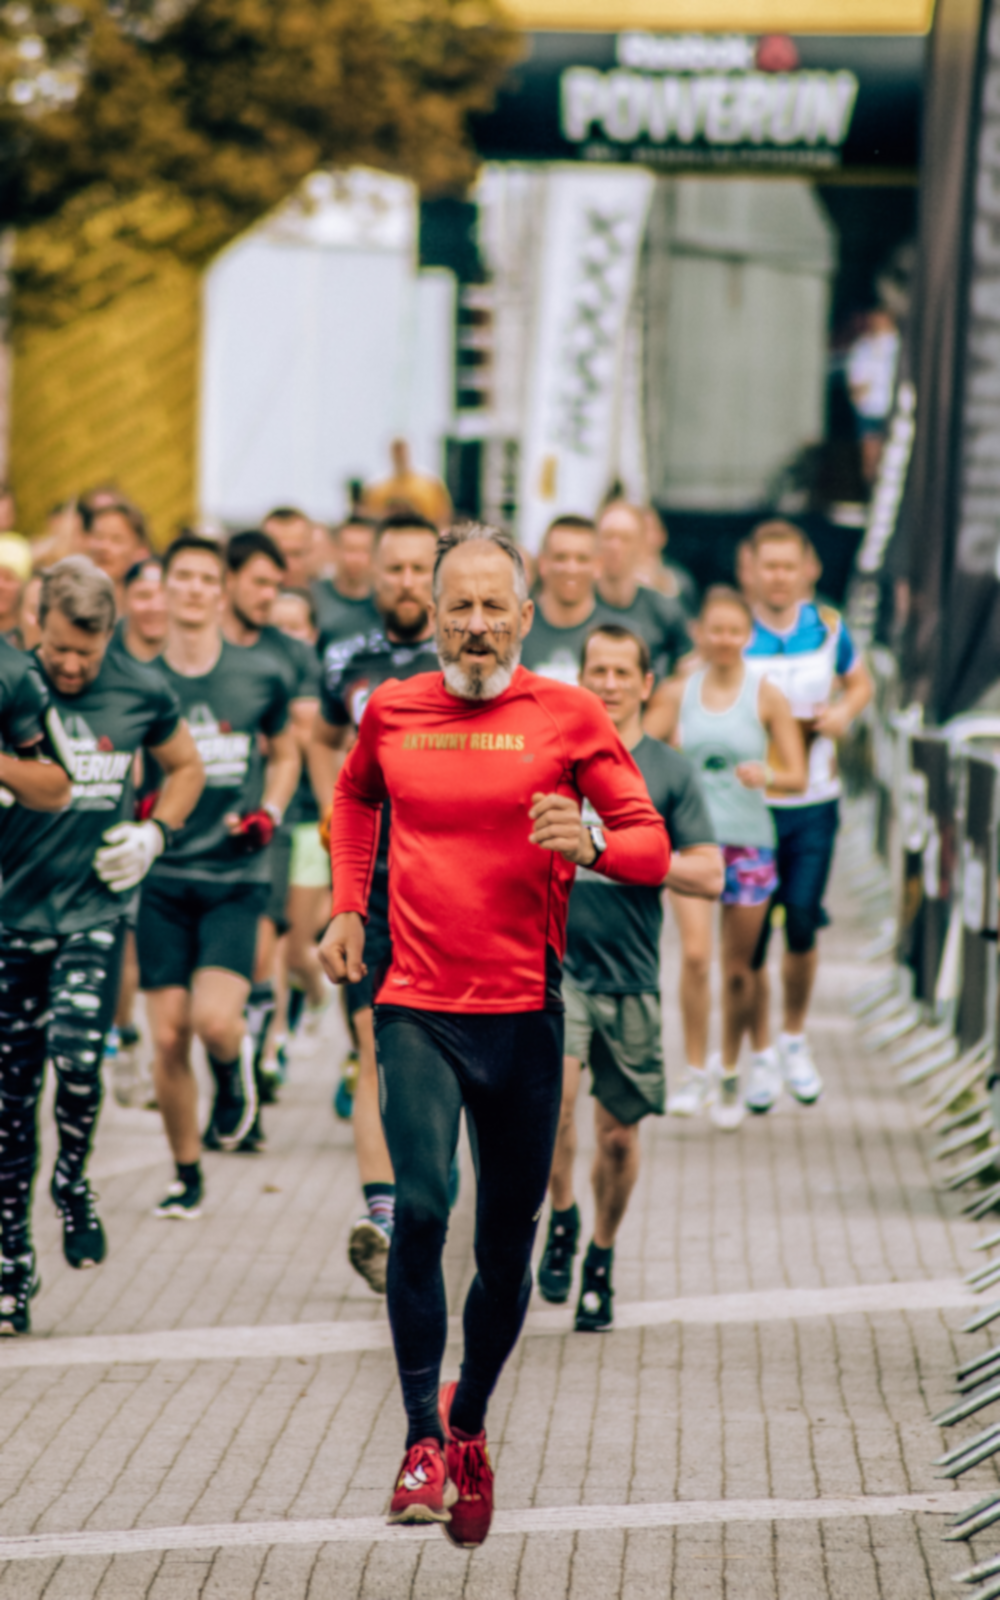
(57,999)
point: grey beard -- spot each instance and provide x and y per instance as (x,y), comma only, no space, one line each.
(473,685)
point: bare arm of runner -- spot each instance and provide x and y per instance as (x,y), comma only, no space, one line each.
(33,780)
(326,753)
(284,766)
(834,720)
(789,774)
(697,871)
(184,778)
(302,715)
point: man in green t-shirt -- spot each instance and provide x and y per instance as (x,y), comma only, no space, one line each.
(69,882)
(344,605)
(621,550)
(255,570)
(566,607)
(197,928)
(611,983)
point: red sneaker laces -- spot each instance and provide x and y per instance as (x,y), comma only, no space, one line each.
(472,1469)
(421,1455)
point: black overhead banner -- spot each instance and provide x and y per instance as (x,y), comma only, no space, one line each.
(950,520)
(712,102)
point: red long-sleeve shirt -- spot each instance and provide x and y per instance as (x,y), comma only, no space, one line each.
(477,913)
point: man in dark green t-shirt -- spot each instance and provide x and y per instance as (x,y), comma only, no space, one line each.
(621,551)
(566,606)
(255,569)
(69,881)
(611,983)
(344,605)
(197,928)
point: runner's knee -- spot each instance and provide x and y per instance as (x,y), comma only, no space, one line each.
(695,968)
(171,1041)
(616,1141)
(421,1219)
(505,1274)
(739,980)
(221,1037)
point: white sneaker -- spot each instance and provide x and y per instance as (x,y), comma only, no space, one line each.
(692,1094)
(765,1082)
(799,1069)
(726,1110)
(129,1083)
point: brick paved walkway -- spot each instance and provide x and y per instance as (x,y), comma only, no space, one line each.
(751,1441)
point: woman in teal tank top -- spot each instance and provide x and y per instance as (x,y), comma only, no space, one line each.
(734,724)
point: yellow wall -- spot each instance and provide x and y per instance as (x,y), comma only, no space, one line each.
(737,16)
(112,395)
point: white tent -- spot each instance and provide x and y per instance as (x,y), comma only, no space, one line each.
(322,342)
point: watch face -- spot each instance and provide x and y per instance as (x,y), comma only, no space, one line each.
(597,834)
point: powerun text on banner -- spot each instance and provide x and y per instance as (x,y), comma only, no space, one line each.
(701,101)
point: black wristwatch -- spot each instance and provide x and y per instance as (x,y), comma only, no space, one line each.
(598,841)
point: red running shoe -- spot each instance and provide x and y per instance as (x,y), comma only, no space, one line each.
(423,1493)
(471,1474)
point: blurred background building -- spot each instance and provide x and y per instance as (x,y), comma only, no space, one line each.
(682,269)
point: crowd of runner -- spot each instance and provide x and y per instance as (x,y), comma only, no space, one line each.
(507,762)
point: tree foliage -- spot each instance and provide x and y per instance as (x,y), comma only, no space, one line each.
(173,125)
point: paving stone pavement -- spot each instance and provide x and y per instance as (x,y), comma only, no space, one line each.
(761,1453)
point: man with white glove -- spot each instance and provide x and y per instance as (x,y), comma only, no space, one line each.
(68,891)
(129,850)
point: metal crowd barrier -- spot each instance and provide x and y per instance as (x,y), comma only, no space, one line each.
(922,850)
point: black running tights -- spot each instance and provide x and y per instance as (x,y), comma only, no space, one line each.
(507,1073)
(57,999)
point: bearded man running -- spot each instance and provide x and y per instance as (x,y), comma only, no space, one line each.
(485,766)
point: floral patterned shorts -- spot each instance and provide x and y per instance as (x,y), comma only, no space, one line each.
(751,875)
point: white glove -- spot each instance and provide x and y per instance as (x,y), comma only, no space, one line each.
(128,852)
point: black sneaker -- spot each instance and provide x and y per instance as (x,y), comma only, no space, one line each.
(594,1311)
(235,1108)
(84,1244)
(19,1282)
(555,1270)
(253,1143)
(182,1200)
(268,1085)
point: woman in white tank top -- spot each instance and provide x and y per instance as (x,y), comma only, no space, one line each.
(727,717)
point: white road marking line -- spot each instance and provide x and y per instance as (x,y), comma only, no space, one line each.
(779,1305)
(542,1519)
(266,1343)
